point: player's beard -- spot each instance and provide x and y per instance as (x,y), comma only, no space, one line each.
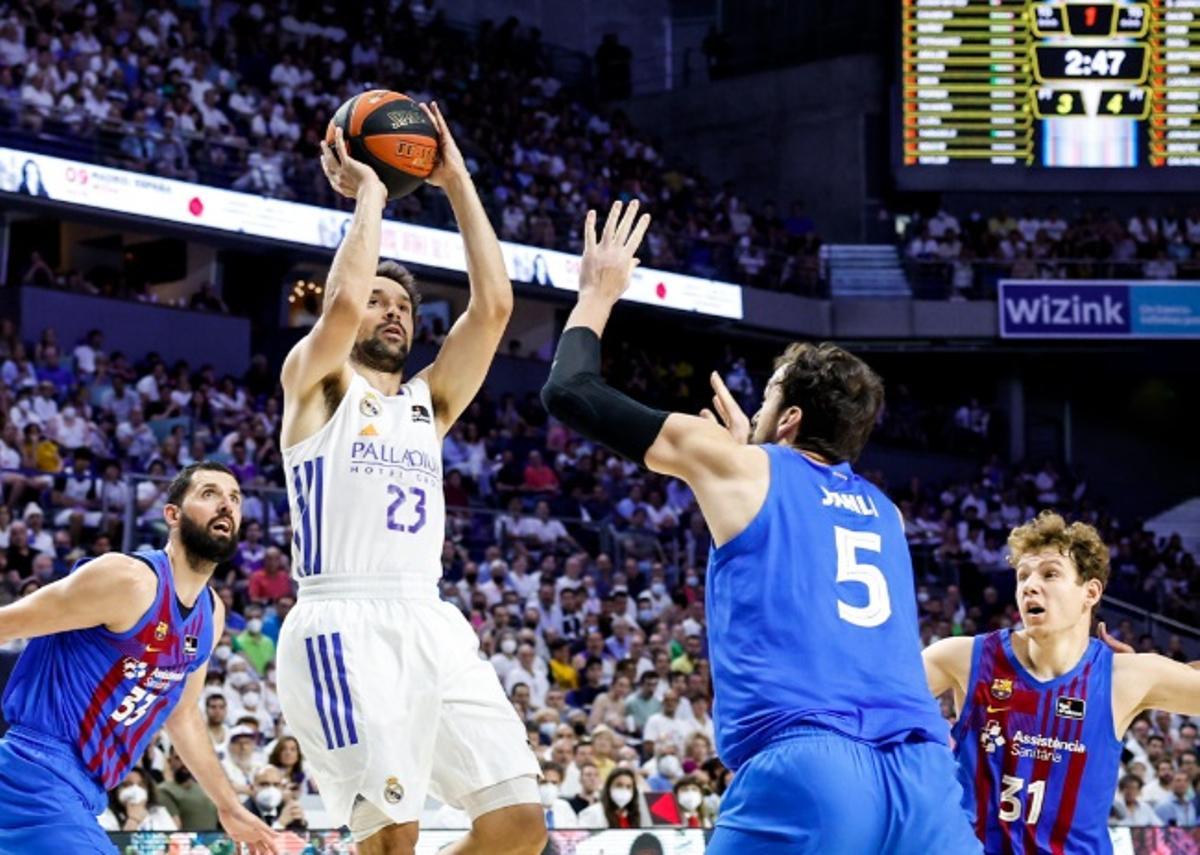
(203,545)
(374,353)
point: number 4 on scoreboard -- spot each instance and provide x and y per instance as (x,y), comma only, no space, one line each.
(1124,104)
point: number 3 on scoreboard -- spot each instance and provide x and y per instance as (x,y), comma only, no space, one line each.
(849,569)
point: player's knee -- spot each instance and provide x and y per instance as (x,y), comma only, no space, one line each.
(523,832)
(391,840)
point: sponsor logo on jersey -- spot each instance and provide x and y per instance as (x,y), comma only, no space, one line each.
(160,631)
(1069,707)
(992,737)
(393,792)
(369,430)
(1037,747)
(862,505)
(420,414)
(1002,689)
(365,454)
(191,644)
(370,405)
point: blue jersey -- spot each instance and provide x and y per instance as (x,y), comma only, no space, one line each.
(107,693)
(1037,760)
(812,617)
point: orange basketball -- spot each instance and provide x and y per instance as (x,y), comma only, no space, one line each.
(388,131)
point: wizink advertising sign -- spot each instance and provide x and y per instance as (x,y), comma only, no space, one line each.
(1099,310)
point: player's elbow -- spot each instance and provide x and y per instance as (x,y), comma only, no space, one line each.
(557,398)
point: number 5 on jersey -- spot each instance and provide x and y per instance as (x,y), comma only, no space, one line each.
(400,496)
(849,569)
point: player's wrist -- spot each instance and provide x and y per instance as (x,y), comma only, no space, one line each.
(371,190)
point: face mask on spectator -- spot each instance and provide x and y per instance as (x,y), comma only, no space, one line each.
(689,800)
(713,802)
(238,679)
(251,700)
(547,729)
(645,615)
(548,793)
(222,652)
(621,796)
(133,795)
(271,676)
(692,581)
(669,766)
(268,798)
(658,589)
(922,596)
(254,626)
(508,646)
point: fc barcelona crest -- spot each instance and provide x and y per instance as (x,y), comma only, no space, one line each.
(1002,689)
(160,631)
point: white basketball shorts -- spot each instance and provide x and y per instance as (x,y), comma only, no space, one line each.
(389,699)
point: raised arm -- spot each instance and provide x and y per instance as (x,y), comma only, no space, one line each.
(326,348)
(189,736)
(462,364)
(112,591)
(727,475)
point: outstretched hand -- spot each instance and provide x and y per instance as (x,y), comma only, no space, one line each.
(732,418)
(251,833)
(1115,645)
(607,266)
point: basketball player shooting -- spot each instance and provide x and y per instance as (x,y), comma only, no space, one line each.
(119,648)
(1043,709)
(378,678)
(821,706)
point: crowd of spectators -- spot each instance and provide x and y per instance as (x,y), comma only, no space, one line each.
(966,255)
(239,94)
(582,575)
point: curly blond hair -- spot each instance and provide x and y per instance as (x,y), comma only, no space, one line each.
(1078,541)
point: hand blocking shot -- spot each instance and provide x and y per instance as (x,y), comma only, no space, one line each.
(380,680)
(822,709)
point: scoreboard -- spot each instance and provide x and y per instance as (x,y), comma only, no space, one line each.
(991,91)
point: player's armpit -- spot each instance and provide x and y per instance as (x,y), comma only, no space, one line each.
(462,364)
(948,664)
(690,447)
(324,351)
(113,591)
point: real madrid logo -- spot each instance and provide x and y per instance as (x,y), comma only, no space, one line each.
(369,406)
(1001,689)
(160,631)
(392,791)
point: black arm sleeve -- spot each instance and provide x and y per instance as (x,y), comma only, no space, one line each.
(577,395)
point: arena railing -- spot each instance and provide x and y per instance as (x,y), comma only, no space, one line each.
(1159,626)
(976,279)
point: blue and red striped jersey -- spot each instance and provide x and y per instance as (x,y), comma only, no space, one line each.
(107,693)
(1037,760)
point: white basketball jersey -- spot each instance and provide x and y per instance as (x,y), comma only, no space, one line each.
(366,489)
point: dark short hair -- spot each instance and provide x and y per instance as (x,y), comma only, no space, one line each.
(838,393)
(551,766)
(399,274)
(178,490)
